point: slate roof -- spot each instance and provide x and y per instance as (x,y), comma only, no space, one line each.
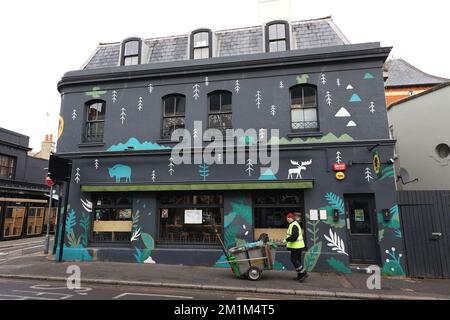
(402,73)
(306,34)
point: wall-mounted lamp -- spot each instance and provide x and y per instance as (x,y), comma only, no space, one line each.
(386,215)
(335,214)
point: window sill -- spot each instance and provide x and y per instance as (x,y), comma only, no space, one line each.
(91,144)
(167,141)
(305,134)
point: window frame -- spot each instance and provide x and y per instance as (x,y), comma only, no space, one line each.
(122,50)
(95,197)
(12,166)
(87,105)
(278,205)
(287,38)
(191,43)
(317,129)
(163,116)
(220,112)
(162,242)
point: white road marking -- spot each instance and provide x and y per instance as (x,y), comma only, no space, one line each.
(251,298)
(37,254)
(63,296)
(150,295)
(81,291)
(22,297)
(20,244)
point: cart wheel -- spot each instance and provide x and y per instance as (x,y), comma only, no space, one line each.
(254,273)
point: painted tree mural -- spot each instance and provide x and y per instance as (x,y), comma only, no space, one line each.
(203,170)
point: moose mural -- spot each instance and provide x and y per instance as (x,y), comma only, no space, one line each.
(120,171)
(298,171)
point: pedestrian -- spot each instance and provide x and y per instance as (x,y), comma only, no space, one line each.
(295,244)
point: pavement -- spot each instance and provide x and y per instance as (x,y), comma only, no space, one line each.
(318,285)
(24,260)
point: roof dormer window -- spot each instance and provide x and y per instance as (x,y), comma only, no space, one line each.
(131,52)
(201,44)
(277,36)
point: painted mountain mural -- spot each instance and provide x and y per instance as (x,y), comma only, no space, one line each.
(134,144)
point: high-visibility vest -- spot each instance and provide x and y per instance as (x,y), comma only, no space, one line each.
(299,243)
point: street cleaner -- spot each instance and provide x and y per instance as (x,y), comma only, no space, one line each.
(295,244)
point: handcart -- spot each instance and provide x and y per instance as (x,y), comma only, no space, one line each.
(251,259)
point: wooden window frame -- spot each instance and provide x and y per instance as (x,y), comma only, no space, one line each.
(11,167)
(191,41)
(123,56)
(87,122)
(287,38)
(316,107)
(163,100)
(220,112)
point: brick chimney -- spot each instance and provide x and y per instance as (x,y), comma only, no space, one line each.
(47,146)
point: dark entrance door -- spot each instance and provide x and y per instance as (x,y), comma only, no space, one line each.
(362,229)
(425,217)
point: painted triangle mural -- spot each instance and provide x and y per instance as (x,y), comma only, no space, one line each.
(342,113)
(355,98)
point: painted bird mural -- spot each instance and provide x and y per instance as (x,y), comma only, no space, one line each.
(302,79)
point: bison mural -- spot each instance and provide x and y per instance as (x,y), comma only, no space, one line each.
(120,171)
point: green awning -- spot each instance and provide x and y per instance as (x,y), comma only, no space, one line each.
(253,185)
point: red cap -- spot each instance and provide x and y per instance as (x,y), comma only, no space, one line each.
(291,215)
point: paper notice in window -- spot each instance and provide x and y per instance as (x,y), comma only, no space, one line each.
(323,215)
(313,215)
(193,217)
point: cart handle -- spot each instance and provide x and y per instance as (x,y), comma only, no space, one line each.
(264,258)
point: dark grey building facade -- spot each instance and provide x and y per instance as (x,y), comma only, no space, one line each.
(23,193)
(131,201)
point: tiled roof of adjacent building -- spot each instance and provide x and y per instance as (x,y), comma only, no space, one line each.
(401,73)
(305,34)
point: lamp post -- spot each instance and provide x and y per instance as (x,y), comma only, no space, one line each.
(50,183)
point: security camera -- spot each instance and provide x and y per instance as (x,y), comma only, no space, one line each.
(391,161)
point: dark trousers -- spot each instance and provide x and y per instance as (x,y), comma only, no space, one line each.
(296,259)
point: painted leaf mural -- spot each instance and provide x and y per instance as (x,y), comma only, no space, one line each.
(70,221)
(228,219)
(148,241)
(394,223)
(338,266)
(387,172)
(243,210)
(392,265)
(230,235)
(336,202)
(312,256)
(335,242)
(85,225)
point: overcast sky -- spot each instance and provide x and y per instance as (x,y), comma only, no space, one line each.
(44,39)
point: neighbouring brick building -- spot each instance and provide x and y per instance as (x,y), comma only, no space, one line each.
(405,80)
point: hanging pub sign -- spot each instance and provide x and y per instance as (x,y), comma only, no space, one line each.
(376,163)
(339,167)
(340,175)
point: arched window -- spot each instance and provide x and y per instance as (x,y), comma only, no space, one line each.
(174,109)
(304,116)
(95,121)
(131,52)
(220,110)
(201,44)
(277,36)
